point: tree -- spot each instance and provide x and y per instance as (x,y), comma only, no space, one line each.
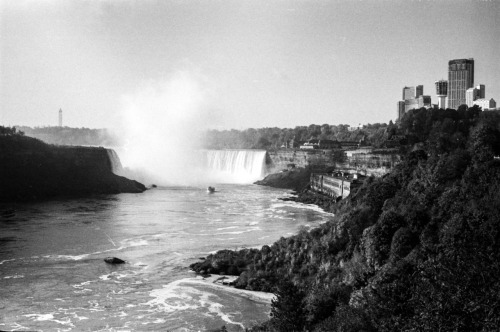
(286,309)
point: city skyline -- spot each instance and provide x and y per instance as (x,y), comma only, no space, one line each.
(245,64)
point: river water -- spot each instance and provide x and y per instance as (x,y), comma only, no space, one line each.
(53,277)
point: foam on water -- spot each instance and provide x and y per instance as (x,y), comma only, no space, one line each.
(290,204)
(67,257)
(173,297)
(191,294)
(50,317)
(223,228)
(159,233)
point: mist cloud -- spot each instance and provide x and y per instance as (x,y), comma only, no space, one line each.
(161,129)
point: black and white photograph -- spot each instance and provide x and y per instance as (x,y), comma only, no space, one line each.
(249,165)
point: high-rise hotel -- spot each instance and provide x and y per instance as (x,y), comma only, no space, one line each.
(460,78)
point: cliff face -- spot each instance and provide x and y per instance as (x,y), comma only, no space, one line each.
(376,164)
(278,160)
(30,170)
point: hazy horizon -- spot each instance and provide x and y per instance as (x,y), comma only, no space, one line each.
(256,63)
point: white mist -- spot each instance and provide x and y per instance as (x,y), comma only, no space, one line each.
(161,127)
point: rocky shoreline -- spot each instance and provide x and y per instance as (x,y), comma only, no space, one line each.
(296,179)
(307,196)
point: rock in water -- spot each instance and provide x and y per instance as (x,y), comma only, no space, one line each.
(113,260)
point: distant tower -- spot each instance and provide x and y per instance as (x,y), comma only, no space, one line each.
(442,92)
(60,117)
(460,78)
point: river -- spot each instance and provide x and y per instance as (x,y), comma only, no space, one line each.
(53,277)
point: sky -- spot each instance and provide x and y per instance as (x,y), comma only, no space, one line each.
(271,63)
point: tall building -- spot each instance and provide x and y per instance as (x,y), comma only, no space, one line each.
(408,92)
(486,104)
(441,92)
(472,94)
(424,101)
(419,91)
(60,117)
(460,78)
(413,97)
(481,91)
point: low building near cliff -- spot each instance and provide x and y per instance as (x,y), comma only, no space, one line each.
(324,144)
(364,150)
(337,184)
(348,145)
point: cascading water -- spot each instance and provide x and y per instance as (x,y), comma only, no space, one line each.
(116,165)
(235,166)
(208,167)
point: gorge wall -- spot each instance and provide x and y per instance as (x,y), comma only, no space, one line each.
(32,170)
(376,164)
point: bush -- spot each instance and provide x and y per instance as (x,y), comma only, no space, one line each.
(403,242)
(287,312)
(383,232)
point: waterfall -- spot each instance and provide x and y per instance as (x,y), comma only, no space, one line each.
(201,167)
(114,160)
(236,166)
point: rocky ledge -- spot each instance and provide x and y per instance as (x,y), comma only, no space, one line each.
(296,179)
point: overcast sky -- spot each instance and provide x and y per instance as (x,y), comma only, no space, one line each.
(254,63)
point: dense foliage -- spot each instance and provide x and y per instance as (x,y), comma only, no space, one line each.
(415,250)
(274,138)
(10,131)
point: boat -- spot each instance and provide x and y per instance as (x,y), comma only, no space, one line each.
(211,189)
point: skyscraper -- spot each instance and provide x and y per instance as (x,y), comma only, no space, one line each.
(413,97)
(419,91)
(460,78)
(60,117)
(408,92)
(442,92)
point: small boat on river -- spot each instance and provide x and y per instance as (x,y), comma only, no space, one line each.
(210,190)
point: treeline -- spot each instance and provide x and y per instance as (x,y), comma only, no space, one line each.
(262,138)
(10,131)
(72,136)
(274,138)
(415,250)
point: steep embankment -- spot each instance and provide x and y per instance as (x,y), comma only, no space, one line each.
(418,249)
(32,170)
